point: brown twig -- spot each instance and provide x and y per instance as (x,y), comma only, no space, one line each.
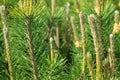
(31,49)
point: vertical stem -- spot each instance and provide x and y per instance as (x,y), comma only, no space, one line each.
(90,65)
(7,43)
(97,46)
(57,36)
(53,7)
(112,56)
(82,25)
(67,22)
(31,49)
(106,69)
(77,43)
(74,29)
(77,6)
(116,16)
(67,33)
(98,8)
(116,28)
(51,57)
(51,50)
(67,12)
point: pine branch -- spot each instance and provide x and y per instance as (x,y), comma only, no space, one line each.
(67,33)
(7,42)
(82,25)
(112,56)
(116,28)
(106,70)
(58,36)
(51,50)
(53,7)
(51,57)
(99,7)
(90,65)
(97,47)
(31,49)
(77,41)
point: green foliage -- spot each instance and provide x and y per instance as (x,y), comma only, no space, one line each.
(40,22)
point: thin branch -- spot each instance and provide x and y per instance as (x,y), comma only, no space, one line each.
(31,49)
(97,46)
(7,43)
(82,25)
(90,65)
(112,56)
